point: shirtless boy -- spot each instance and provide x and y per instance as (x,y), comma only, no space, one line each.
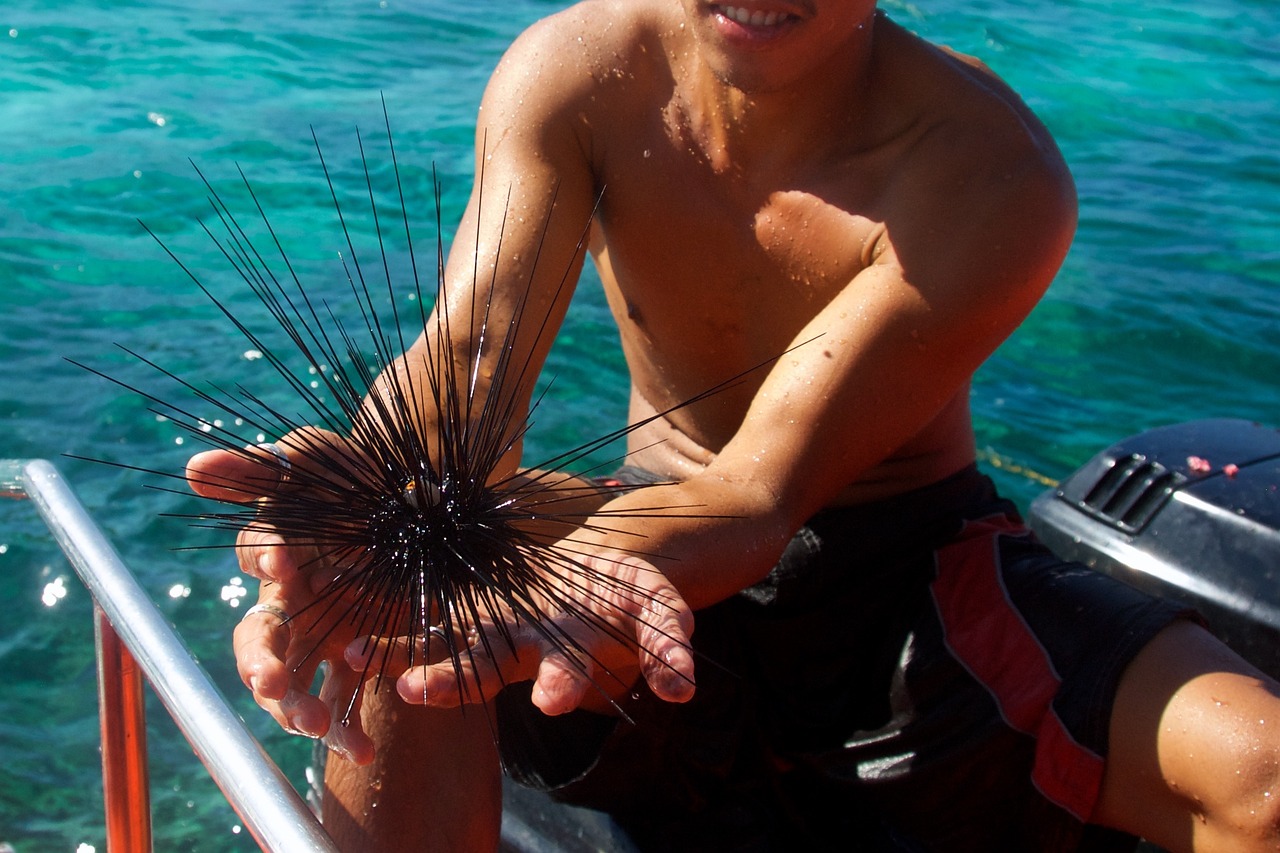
(775,171)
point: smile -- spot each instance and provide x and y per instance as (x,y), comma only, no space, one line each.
(747,18)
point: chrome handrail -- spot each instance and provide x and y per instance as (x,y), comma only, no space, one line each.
(272,811)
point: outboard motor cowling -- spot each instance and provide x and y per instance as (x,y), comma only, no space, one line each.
(1189,512)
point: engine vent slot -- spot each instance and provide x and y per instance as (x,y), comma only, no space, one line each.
(1131,491)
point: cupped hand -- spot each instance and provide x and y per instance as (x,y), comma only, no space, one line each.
(281,644)
(639,625)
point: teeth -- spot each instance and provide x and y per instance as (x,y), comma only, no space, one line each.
(751,19)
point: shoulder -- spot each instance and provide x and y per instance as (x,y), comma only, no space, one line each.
(571,77)
(984,185)
(570,59)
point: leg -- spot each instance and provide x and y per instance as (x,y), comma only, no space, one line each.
(435,782)
(1194,760)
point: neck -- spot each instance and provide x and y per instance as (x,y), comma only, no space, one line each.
(751,122)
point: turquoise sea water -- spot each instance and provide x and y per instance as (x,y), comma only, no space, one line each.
(1166,308)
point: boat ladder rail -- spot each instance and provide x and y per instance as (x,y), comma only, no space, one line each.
(133,640)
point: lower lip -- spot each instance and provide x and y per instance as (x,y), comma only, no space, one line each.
(747,34)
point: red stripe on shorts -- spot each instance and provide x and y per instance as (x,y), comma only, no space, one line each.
(988,636)
(1065,772)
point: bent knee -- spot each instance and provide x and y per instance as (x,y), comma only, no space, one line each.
(1247,816)
(1195,748)
(1220,744)
(1226,779)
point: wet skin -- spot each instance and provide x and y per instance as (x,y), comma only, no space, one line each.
(799,177)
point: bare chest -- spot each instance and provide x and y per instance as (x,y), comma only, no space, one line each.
(704,263)
(681,242)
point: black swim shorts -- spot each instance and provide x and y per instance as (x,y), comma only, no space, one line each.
(918,674)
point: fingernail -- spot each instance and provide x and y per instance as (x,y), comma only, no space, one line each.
(337,749)
(253,684)
(675,687)
(294,728)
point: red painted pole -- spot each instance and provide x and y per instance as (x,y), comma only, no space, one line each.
(126,791)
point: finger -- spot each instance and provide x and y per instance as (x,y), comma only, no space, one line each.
(318,460)
(264,554)
(663,631)
(294,709)
(477,675)
(300,713)
(237,476)
(261,641)
(343,695)
(306,458)
(661,619)
(562,682)
(389,658)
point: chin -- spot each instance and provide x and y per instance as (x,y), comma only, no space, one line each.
(750,81)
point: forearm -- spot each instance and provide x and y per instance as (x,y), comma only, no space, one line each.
(709,537)
(557,503)
(437,393)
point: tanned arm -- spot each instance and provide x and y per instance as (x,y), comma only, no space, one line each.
(954,276)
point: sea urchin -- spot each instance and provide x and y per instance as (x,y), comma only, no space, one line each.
(426,533)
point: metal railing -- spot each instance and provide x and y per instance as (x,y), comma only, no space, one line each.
(134,640)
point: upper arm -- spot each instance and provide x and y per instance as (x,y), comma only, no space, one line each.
(533,192)
(519,247)
(958,271)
